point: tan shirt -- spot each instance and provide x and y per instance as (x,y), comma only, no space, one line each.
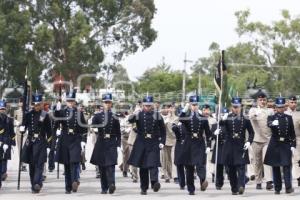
(18,117)
(296,119)
(170,135)
(132,135)
(258,117)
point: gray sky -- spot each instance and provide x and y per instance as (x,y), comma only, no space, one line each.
(191,25)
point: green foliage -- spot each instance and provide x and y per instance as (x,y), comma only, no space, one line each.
(70,37)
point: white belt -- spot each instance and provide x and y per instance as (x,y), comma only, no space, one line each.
(106,135)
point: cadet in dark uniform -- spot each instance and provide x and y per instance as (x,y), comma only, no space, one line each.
(7,124)
(7,135)
(281,147)
(151,137)
(194,147)
(38,124)
(220,166)
(105,153)
(235,150)
(180,132)
(72,140)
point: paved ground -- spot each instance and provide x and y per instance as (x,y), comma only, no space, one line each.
(90,188)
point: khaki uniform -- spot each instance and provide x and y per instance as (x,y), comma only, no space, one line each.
(125,131)
(18,116)
(296,119)
(210,166)
(167,150)
(130,142)
(258,117)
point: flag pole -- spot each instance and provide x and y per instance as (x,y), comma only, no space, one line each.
(219,114)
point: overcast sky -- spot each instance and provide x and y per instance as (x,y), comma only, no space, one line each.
(191,25)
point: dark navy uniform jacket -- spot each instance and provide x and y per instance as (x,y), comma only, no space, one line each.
(109,138)
(73,132)
(283,138)
(233,150)
(7,136)
(194,145)
(151,131)
(39,137)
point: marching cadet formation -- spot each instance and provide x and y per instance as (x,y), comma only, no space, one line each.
(189,142)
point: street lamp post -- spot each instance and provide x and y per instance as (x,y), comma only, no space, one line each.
(185,61)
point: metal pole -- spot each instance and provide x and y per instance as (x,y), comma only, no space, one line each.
(185,61)
(219,116)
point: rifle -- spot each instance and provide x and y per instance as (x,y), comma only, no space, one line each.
(24,111)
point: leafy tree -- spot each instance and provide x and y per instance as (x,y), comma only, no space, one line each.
(71,37)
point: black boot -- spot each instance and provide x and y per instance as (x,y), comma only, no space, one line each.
(269,185)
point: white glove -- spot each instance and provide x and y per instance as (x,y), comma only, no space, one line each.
(137,110)
(293,149)
(120,149)
(161,146)
(5,147)
(22,128)
(48,151)
(95,130)
(58,106)
(217,132)
(275,123)
(225,116)
(247,145)
(207,150)
(186,107)
(58,132)
(82,145)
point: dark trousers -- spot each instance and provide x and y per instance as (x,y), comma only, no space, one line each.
(144,176)
(236,176)
(181,175)
(0,171)
(4,167)
(36,174)
(51,164)
(220,176)
(71,175)
(201,172)
(107,176)
(190,169)
(287,176)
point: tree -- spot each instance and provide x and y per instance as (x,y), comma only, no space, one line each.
(279,44)
(73,37)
